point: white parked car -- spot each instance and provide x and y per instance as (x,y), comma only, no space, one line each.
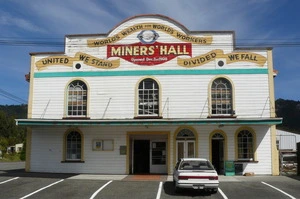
(195,173)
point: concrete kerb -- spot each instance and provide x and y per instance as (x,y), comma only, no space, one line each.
(16,169)
(97,177)
(169,178)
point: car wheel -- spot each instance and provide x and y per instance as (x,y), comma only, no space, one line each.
(214,191)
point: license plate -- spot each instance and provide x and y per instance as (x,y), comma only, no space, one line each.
(198,186)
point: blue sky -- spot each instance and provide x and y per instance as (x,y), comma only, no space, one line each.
(40,26)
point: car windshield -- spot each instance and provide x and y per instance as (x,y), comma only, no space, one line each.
(196,165)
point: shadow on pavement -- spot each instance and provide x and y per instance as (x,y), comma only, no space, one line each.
(17,170)
(169,190)
(295,177)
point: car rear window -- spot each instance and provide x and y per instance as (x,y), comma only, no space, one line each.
(196,165)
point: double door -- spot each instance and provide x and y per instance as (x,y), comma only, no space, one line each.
(185,149)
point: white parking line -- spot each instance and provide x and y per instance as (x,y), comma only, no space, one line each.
(42,189)
(93,196)
(9,180)
(159,190)
(279,190)
(222,193)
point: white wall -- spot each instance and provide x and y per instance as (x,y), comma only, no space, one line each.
(182,96)
(47,148)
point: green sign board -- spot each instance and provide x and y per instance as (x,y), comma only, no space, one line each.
(229,168)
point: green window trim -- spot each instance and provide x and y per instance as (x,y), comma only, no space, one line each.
(149,72)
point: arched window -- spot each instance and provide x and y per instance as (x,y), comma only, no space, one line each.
(221,97)
(217,136)
(185,134)
(73,146)
(245,142)
(77,99)
(148,98)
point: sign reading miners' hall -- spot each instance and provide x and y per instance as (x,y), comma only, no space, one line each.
(147,49)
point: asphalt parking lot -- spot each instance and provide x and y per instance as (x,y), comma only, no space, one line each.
(15,183)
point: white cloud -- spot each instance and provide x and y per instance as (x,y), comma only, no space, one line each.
(7,19)
(72,17)
(89,16)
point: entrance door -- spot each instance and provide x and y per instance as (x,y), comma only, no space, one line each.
(158,157)
(185,149)
(141,156)
(185,144)
(217,144)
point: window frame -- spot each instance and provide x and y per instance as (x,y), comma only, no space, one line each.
(66,148)
(225,112)
(248,158)
(82,104)
(156,91)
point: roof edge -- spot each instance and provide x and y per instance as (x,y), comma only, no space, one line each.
(134,122)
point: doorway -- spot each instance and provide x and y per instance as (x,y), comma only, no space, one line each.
(217,148)
(185,149)
(141,154)
(185,144)
(148,153)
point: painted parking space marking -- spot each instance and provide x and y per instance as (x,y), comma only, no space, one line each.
(222,193)
(9,180)
(42,189)
(94,195)
(279,190)
(159,190)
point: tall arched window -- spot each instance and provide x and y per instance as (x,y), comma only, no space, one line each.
(148,98)
(245,142)
(73,146)
(221,97)
(77,99)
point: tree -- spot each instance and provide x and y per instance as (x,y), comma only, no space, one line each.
(289,110)
(3,145)
(10,133)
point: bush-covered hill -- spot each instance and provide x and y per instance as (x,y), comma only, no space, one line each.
(289,110)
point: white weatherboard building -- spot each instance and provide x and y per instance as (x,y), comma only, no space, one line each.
(149,92)
(287,141)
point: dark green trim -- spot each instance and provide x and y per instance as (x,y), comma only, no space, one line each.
(150,72)
(70,161)
(154,122)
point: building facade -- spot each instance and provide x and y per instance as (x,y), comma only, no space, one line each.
(149,92)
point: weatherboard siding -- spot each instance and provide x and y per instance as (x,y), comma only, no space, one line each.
(47,152)
(263,153)
(181,96)
(47,148)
